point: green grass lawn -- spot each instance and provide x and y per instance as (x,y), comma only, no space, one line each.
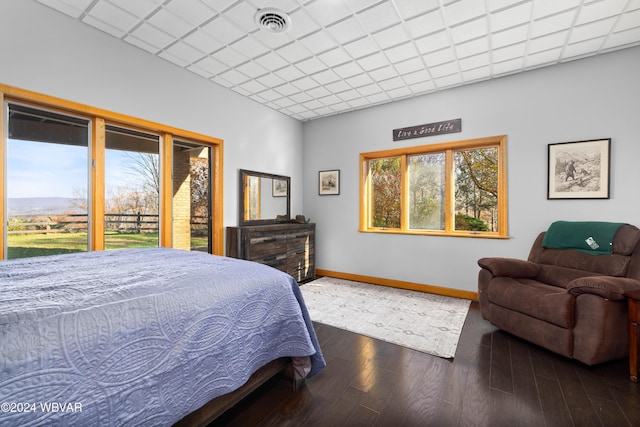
(30,245)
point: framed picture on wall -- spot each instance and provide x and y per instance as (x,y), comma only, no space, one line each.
(279,188)
(329,182)
(579,170)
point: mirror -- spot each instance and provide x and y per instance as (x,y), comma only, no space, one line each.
(264,198)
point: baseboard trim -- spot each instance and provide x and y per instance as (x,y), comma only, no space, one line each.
(449,292)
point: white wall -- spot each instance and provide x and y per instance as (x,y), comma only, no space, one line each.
(586,99)
(47,52)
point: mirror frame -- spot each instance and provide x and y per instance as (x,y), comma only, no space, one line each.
(241,221)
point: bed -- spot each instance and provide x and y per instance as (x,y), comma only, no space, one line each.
(142,336)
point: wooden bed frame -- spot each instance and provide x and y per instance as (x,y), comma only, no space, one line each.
(216,407)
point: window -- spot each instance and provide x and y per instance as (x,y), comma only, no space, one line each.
(79,178)
(456,188)
(46,179)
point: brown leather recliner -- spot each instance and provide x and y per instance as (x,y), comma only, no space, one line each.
(567,301)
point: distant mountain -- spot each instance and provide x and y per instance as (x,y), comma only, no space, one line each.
(40,205)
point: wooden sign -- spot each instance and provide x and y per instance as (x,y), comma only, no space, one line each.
(430,129)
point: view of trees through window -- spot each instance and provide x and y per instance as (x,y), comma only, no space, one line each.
(421,179)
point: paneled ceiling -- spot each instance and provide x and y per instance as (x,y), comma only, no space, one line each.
(344,55)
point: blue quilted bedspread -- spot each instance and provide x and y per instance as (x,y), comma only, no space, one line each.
(139,336)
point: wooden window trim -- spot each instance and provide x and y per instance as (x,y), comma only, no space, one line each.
(99,118)
(499,141)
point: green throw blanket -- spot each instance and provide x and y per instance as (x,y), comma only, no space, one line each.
(590,236)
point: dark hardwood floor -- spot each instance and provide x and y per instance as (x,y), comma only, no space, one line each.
(495,379)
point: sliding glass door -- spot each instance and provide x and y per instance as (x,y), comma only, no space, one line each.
(47,163)
(132,189)
(192,165)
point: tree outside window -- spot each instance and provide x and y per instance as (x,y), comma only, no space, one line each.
(456,188)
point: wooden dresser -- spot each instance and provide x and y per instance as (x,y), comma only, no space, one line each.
(287,247)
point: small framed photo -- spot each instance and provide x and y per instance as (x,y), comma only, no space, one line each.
(579,170)
(329,182)
(279,188)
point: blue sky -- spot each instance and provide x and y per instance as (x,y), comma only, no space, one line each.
(36,169)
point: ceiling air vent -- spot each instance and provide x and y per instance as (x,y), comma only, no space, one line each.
(272,20)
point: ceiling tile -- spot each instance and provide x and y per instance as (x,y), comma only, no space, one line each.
(170,23)
(305,83)
(230,57)
(383,73)
(599,10)
(203,42)
(241,15)
(325,77)
(586,47)
(75,10)
(318,92)
(472,47)
(547,8)
(463,11)
(185,52)
(444,69)
(433,42)
(294,52)
(426,24)
(252,86)
(191,11)
(301,24)
(623,38)
(250,47)
(628,20)
(509,52)
(409,66)
(346,31)
(234,76)
(334,57)
(469,30)
(359,80)
(341,55)
(544,57)
(113,16)
(252,69)
(271,61)
(152,36)
(318,42)
(553,23)
(363,47)
(401,52)
(327,12)
(440,57)
(374,61)
(476,61)
(511,36)
(357,5)
(592,30)
(289,73)
(270,80)
(139,8)
(311,65)
(211,65)
(391,36)
(347,70)
(550,41)
(219,5)
(379,17)
(412,8)
(511,17)
(508,67)
(222,29)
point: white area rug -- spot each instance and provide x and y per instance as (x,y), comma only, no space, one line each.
(425,322)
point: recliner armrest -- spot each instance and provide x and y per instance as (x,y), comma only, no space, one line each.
(510,267)
(612,288)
